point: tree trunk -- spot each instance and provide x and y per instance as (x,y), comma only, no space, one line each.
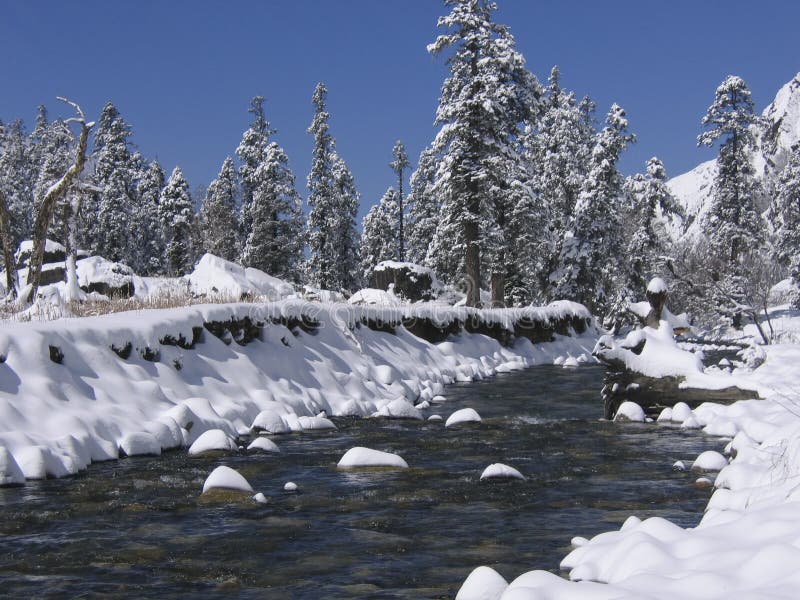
(498,290)
(8,252)
(47,207)
(71,247)
(400,215)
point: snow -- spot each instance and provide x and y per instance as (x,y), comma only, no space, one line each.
(10,472)
(657,286)
(501,471)
(463,415)
(710,460)
(366,457)
(373,296)
(215,276)
(290,486)
(482,584)
(264,445)
(630,411)
(211,441)
(226,478)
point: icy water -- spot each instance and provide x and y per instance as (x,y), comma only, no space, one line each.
(137,528)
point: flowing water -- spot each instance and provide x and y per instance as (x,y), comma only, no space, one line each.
(137,528)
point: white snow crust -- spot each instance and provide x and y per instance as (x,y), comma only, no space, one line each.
(501,471)
(463,415)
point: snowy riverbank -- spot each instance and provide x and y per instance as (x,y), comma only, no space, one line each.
(75,391)
(747,544)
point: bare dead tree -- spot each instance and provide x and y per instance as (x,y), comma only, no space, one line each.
(47,205)
(8,253)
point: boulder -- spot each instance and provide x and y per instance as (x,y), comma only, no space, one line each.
(407,280)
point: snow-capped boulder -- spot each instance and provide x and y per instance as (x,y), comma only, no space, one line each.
(400,408)
(484,583)
(216,276)
(630,411)
(270,422)
(407,280)
(213,440)
(264,445)
(374,297)
(367,457)
(309,423)
(139,444)
(290,486)
(710,460)
(111,279)
(226,478)
(501,471)
(464,415)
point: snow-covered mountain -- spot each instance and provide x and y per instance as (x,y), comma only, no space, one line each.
(782,131)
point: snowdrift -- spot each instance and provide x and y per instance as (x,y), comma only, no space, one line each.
(74,391)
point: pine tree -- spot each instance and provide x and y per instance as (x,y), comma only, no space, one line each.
(107,225)
(218,214)
(56,143)
(733,225)
(557,150)
(399,164)
(333,203)
(786,208)
(151,242)
(651,205)
(251,154)
(379,234)
(487,95)
(423,213)
(176,213)
(17,176)
(587,270)
(275,242)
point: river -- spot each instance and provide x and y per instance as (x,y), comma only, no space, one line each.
(137,527)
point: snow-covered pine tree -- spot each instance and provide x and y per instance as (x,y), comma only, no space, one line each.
(275,242)
(17,176)
(344,230)
(399,164)
(379,233)
(107,223)
(251,154)
(557,154)
(333,203)
(487,95)
(423,211)
(56,142)
(588,263)
(786,208)
(218,214)
(175,211)
(652,205)
(151,243)
(732,225)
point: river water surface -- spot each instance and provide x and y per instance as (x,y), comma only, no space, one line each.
(137,528)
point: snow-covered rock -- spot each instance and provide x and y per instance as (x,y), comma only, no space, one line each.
(367,457)
(309,423)
(10,473)
(270,422)
(484,583)
(213,440)
(290,486)
(630,411)
(501,471)
(374,297)
(710,460)
(464,415)
(216,276)
(264,445)
(226,478)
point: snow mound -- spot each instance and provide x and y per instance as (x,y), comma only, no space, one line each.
(630,411)
(501,471)
(270,422)
(484,583)
(464,415)
(263,444)
(211,441)
(226,478)
(216,276)
(139,444)
(657,286)
(311,423)
(366,457)
(400,408)
(374,297)
(710,460)
(290,486)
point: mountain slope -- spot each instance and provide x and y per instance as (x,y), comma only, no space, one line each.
(782,131)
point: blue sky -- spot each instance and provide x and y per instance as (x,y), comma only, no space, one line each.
(182,72)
